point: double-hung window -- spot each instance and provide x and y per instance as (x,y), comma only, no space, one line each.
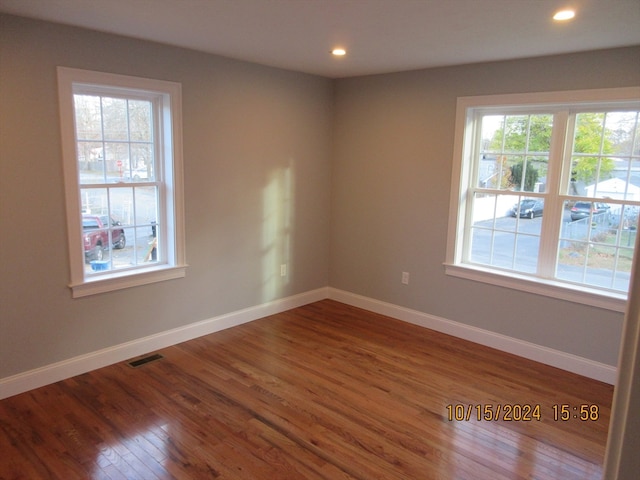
(122,162)
(546,193)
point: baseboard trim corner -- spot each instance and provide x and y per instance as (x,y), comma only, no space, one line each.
(39,377)
(55,372)
(555,358)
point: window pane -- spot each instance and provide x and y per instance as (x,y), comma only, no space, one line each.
(119,227)
(506,234)
(514,165)
(146,201)
(133,212)
(116,160)
(596,246)
(526,133)
(494,172)
(147,251)
(90,162)
(140,121)
(528,174)
(625,217)
(95,228)
(515,134)
(621,130)
(89,135)
(115,119)
(141,165)
(492,127)
(122,204)
(502,249)
(602,166)
(587,171)
(94,200)
(123,256)
(514,152)
(588,133)
(119,221)
(88,117)
(481,232)
(101,231)
(526,255)
(540,128)
(601,263)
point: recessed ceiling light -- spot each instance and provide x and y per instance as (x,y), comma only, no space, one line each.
(339,52)
(564,15)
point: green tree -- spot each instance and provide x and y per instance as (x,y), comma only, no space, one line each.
(530,177)
(590,138)
(523,133)
(532,134)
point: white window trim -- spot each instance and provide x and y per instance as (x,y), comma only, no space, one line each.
(460,179)
(175,267)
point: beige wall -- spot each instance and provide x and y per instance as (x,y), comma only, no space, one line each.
(392,163)
(254,138)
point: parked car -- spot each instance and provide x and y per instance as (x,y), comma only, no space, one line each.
(95,235)
(584,209)
(529,208)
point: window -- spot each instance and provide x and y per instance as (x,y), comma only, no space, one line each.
(122,163)
(546,193)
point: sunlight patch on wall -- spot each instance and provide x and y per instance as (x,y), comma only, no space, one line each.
(278,196)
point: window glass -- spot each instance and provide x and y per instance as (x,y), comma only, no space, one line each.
(124,214)
(552,192)
(121,134)
(603,165)
(506,234)
(514,152)
(597,243)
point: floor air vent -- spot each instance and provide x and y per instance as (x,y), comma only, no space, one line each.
(145,360)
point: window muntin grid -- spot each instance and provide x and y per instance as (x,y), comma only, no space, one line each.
(516,165)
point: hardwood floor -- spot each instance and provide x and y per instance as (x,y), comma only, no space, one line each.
(325,391)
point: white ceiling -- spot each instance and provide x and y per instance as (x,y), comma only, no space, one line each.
(380,35)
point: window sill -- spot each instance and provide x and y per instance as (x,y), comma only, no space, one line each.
(613,301)
(119,281)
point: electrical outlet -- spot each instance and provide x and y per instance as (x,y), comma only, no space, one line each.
(405,278)
(283,270)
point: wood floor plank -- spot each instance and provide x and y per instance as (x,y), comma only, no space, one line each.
(326,392)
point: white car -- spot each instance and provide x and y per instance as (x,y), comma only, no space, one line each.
(137,174)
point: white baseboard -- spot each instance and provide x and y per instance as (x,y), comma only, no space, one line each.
(55,372)
(566,361)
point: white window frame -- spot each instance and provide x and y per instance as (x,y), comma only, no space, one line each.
(172,265)
(467,108)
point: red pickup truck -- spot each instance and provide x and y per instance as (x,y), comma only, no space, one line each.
(95,235)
